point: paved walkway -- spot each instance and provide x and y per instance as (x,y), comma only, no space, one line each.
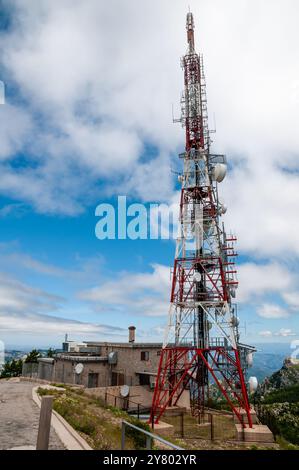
(19,416)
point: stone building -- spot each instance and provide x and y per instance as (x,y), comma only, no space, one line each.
(103,364)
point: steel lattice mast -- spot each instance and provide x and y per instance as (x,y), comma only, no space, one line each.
(202,340)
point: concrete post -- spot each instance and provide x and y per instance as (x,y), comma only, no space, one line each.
(148,443)
(44,423)
(123,435)
(182,425)
(212,427)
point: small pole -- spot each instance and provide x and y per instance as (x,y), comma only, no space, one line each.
(106,397)
(44,423)
(115,401)
(138,410)
(212,427)
(123,435)
(148,443)
(182,425)
(153,421)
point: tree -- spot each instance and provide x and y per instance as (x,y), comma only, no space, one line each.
(50,352)
(12,369)
(32,356)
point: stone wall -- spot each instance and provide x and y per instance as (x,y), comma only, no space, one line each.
(64,372)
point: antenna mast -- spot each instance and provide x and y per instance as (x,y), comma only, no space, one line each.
(201,343)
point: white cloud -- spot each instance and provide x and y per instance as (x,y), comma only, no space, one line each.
(285,332)
(94,85)
(16,296)
(101,77)
(265,333)
(145,294)
(268,310)
(26,310)
(292,299)
(51,325)
(256,280)
(16,126)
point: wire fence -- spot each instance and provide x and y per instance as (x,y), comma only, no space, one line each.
(206,426)
(30,369)
(126,404)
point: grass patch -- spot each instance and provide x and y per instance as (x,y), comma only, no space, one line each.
(285,445)
(100,425)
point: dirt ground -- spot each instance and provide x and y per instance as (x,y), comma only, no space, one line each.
(19,416)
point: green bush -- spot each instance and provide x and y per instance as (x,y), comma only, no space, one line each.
(288,394)
(138,437)
(282,419)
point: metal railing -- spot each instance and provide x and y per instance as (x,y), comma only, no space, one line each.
(149,437)
(125,404)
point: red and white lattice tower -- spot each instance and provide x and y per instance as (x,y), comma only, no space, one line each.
(201,347)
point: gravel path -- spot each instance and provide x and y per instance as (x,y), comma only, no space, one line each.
(19,416)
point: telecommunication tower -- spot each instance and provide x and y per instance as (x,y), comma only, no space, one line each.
(201,348)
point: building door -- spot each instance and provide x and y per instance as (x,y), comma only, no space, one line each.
(117,378)
(93,380)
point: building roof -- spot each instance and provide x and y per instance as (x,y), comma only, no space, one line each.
(125,345)
(76,357)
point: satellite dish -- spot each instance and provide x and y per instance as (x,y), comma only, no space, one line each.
(249,359)
(124,391)
(219,172)
(79,368)
(235,321)
(253,383)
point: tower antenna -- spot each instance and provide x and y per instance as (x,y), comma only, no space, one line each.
(201,343)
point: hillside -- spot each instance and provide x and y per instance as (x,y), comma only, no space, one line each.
(277,402)
(287,376)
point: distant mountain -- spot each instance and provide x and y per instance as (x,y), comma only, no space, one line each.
(268,359)
(265,364)
(285,378)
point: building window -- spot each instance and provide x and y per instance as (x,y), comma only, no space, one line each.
(93,380)
(144,355)
(144,379)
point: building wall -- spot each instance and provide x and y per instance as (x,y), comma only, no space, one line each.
(64,372)
(138,394)
(45,370)
(129,362)
(103,374)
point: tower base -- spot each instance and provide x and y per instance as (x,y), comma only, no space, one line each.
(258,433)
(186,368)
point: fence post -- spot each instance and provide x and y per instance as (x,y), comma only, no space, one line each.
(43,435)
(138,407)
(153,421)
(243,428)
(123,435)
(148,443)
(115,401)
(212,426)
(106,397)
(182,425)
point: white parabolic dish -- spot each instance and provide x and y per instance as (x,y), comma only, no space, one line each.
(79,368)
(124,391)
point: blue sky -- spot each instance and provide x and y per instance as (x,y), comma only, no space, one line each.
(88,116)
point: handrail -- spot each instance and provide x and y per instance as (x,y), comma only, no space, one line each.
(149,438)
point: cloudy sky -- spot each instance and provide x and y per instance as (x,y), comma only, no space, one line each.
(90,87)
